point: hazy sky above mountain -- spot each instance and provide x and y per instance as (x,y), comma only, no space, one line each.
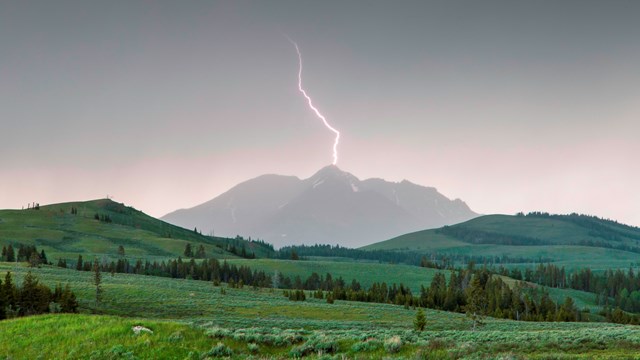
(508,105)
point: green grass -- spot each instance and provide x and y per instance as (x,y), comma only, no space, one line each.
(562,236)
(103,337)
(63,235)
(192,317)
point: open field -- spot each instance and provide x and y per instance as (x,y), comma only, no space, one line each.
(194,316)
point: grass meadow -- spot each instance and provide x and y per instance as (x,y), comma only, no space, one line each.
(196,320)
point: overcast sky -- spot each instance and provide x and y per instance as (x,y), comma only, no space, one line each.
(509,105)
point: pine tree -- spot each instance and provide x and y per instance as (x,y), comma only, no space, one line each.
(34,260)
(188,252)
(79,263)
(420,321)
(68,302)
(120,250)
(11,255)
(9,291)
(201,252)
(475,302)
(33,297)
(97,281)
(3,303)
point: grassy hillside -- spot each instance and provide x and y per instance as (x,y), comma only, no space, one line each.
(573,241)
(190,319)
(65,235)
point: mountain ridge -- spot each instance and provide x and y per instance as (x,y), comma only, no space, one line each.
(331,206)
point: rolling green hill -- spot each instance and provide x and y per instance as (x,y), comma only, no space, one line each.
(98,227)
(570,240)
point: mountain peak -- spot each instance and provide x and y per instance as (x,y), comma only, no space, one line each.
(332,172)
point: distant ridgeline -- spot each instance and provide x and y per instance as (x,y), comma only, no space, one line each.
(603,228)
(604,233)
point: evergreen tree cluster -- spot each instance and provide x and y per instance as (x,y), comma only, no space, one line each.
(25,253)
(34,298)
(613,288)
(200,253)
(474,236)
(295,295)
(8,253)
(105,218)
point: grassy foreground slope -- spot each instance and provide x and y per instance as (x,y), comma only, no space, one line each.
(571,241)
(190,318)
(65,235)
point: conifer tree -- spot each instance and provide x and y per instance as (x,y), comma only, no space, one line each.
(34,297)
(79,263)
(201,253)
(68,301)
(188,252)
(11,255)
(420,321)
(9,291)
(3,304)
(475,302)
(97,281)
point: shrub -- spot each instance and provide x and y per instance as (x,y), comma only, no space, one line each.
(176,337)
(393,344)
(219,350)
(253,348)
(429,354)
(368,345)
(218,333)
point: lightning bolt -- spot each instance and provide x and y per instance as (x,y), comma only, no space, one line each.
(318,114)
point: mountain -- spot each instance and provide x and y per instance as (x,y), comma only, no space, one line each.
(571,240)
(332,206)
(69,229)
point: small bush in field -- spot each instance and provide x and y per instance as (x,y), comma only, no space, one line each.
(367,345)
(219,350)
(393,344)
(253,348)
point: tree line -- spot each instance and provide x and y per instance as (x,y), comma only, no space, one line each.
(613,288)
(476,292)
(431,260)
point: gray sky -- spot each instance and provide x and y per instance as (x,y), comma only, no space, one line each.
(508,105)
